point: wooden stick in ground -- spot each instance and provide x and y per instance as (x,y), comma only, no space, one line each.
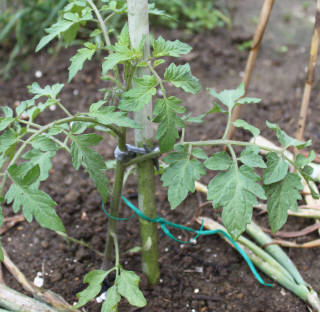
(17,302)
(55,300)
(257,39)
(284,243)
(310,75)
(10,222)
(138,22)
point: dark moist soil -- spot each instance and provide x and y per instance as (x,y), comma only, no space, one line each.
(208,276)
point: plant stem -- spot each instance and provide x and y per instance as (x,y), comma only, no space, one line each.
(139,159)
(44,129)
(228,125)
(116,248)
(163,90)
(80,242)
(57,122)
(142,158)
(29,123)
(64,109)
(114,208)
(62,144)
(105,33)
(138,21)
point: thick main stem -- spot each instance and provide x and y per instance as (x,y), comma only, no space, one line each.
(114,208)
(138,21)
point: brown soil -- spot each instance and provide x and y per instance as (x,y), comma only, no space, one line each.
(222,278)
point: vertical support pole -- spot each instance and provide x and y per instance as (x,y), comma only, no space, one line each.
(138,21)
(310,75)
(256,42)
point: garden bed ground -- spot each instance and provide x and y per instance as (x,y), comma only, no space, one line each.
(209,276)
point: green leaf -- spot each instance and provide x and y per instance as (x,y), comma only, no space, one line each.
(229,97)
(92,160)
(250,157)
(155,11)
(124,38)
(31,176)
(23,106)
(107,116)
(248,100)
(218,161)
(5,122)
(239,123)
(94,279)
(282,196)
(121,54)
(158,62)
(67,27)
(70,34)
(7,111)
(43,159)
(181,77)
(44,143)
(195,119)
(112,300)
(35,203)
(216,109)
(199,153)
(180,176)
(79,127)
(54,31)
(94,107)
(136,98)
(128,287)
(8,142)
(236,191)
(302,161)
(78,60)
(48,91)
(163,47)
(276,169)
(285,140)
(165,111)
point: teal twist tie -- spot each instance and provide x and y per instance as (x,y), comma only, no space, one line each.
(164,224)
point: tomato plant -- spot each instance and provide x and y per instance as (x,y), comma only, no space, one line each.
(131,64)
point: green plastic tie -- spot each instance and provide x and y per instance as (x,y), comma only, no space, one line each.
(115,218)
(164,224)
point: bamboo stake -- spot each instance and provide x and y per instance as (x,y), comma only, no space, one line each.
(17,302)
(256,42)
(284,243)
(310,75)
(138,21)
(55,300)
